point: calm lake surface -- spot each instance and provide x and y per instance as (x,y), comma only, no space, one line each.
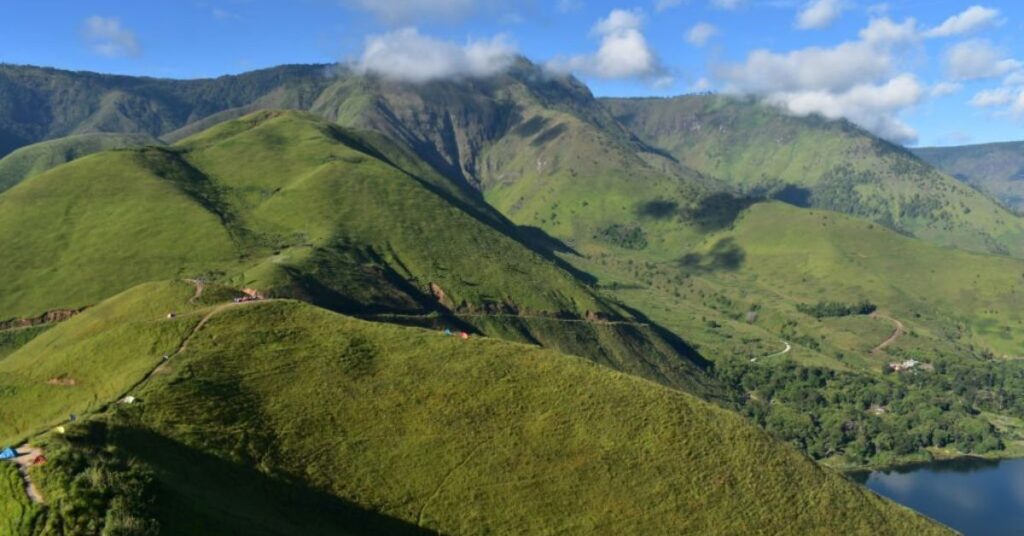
(975,497)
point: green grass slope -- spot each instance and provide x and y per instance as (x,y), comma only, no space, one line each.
(288,204)
(820,163)
(88,361)
(96,226)
(777,257)
(421,430)
(995,168)
(438,246)
(39,157)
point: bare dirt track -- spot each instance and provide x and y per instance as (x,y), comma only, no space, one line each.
(898,331)
(27,455)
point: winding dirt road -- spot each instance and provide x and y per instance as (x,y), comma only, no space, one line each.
(776,354)
(898,331)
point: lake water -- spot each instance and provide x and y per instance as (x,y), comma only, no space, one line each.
(975,497)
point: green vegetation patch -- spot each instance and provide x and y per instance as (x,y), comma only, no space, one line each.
(832,309)
(465,436)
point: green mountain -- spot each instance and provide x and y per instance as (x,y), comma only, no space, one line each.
(282,418)
(39,157)
(994,168)
(290,205)
(38,103)
(814,162)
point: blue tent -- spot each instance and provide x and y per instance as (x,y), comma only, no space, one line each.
(8,454)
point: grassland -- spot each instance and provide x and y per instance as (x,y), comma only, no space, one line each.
(286,203)
(421,431)
(40,157)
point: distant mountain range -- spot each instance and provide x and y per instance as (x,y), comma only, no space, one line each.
(995,168)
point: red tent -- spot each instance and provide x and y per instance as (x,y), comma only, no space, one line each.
(463,334)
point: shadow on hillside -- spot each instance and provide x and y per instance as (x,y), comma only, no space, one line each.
(658,209)
(725,256)
(797,196)
(201,494)
(717,211)
(682,347)
(545,245)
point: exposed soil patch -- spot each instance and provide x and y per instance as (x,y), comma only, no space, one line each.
(62,381)
(49,317)
(27,457)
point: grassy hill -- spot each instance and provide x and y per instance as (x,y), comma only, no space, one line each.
(995,168)
(813,162)
(422,432)
(290,205)
(39,157)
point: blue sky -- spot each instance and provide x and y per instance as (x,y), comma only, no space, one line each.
(927,72)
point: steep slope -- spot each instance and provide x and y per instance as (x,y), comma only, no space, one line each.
(39,157)
(290,205)
(820,163)
(427,432)
(995,168)
(540,146)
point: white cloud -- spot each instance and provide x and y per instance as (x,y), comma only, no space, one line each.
(992,97)
(972,19)
(106,37)
(702,84)
(857,80)
(886,32)
(624,51)
(976,59)
(819,14)
(408,10)
(873,106)
(726,4)
(827,69)
(1018,105)
(1015,78)
(700,33)
(662,5)
(945,88)
(408,55)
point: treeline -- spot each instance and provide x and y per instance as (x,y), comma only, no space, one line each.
(874,420)
(826,309)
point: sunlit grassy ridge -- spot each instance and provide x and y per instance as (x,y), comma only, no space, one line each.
(88,361)
(39,157)
(459,436)
(89,229)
